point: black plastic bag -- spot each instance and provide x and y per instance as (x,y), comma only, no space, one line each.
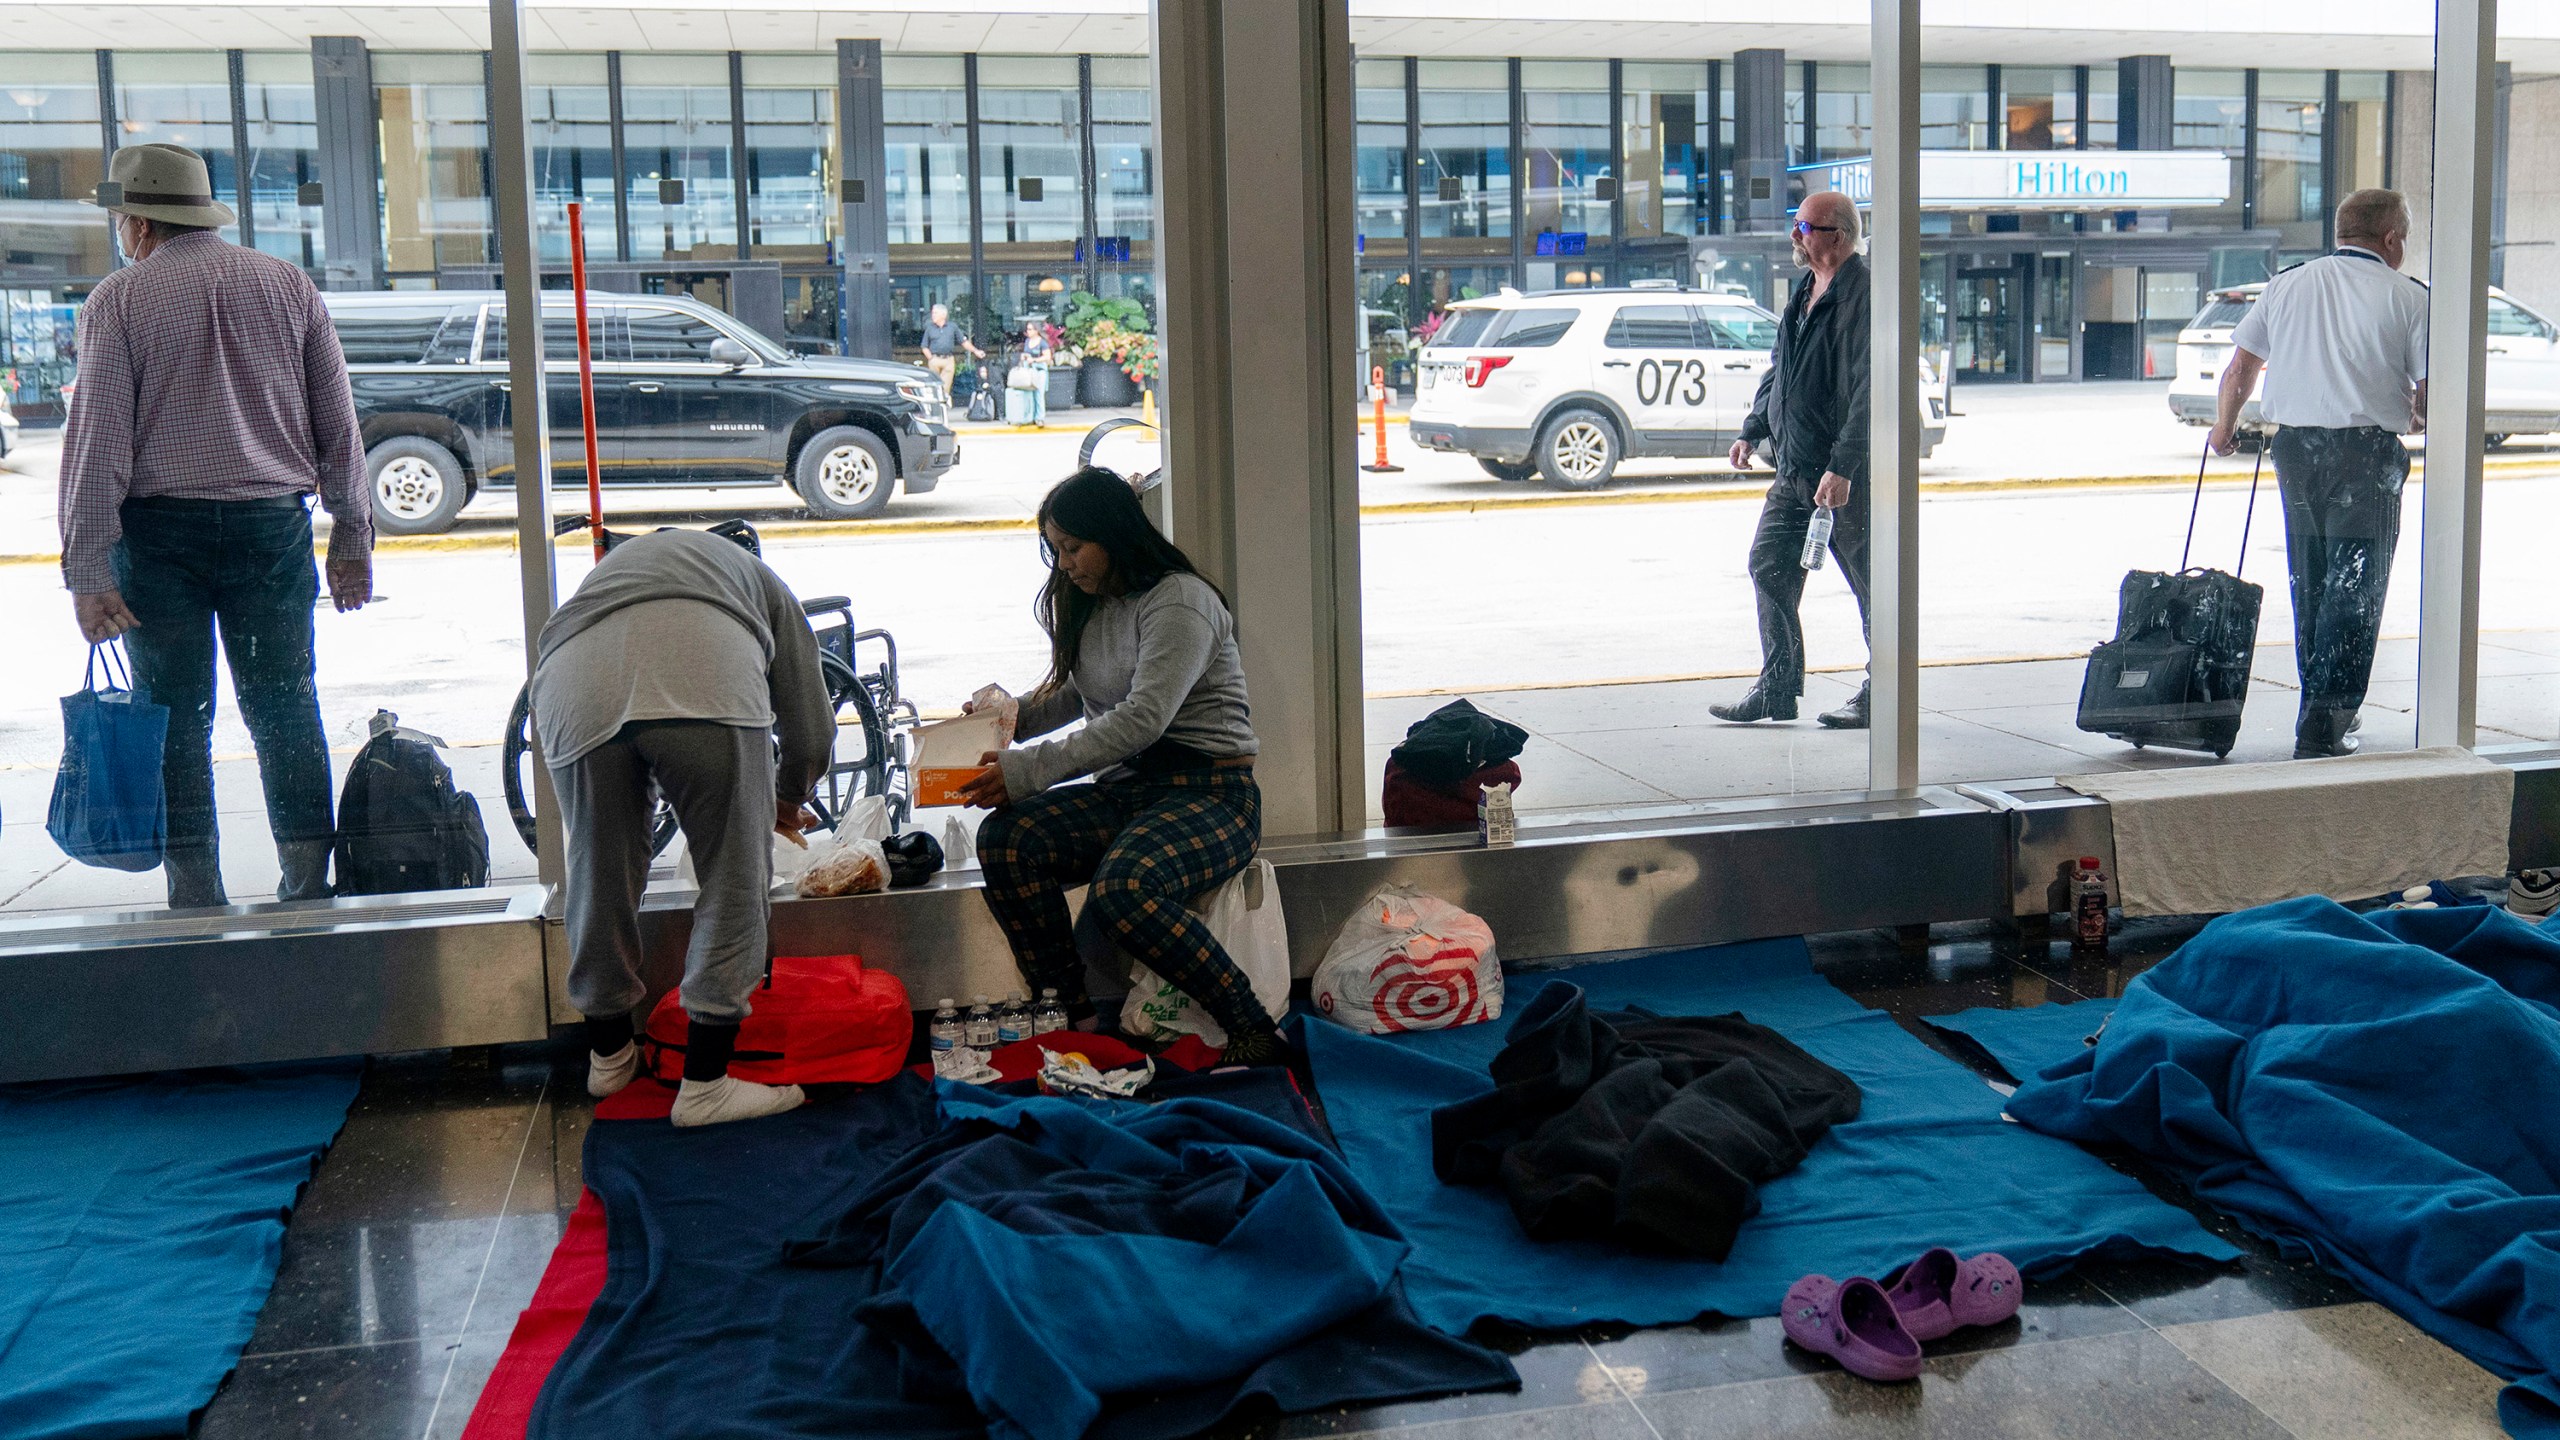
(1454,742)
(913,858)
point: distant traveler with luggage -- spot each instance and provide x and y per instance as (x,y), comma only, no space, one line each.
(1027,383)
(943,342)
(1143,651)
(213,404)
(672,672)
(2343,343)
(1812,409)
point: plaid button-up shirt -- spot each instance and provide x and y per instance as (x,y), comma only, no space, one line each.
(207,372)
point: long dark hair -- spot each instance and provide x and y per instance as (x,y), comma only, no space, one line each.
(1097,506)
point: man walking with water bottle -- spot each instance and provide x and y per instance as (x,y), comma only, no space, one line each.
(1812,409)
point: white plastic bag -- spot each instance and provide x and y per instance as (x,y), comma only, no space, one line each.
(854,864)
(792,859)
(1409,961)
(959,844)
(1245,915)
(865,819)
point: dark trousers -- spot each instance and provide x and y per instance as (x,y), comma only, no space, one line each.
(1148,848)
(2341,524)
(1777,574)
(190,569)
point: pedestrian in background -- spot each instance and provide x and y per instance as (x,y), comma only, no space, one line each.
(1812,409)
(2342,341)
(212,405)
(1027,384)
(943,343)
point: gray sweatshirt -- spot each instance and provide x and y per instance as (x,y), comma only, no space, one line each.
(680,625)
(1158,665)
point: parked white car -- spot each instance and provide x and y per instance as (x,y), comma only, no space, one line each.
(1565,384)
(2523,370)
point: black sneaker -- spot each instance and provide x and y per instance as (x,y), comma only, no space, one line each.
(1852,716)
(2533,894)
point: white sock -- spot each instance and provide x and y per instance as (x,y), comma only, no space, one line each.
(607,1074)
(716,1102)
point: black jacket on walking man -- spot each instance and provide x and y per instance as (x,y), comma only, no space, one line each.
(1812,409)
(2343,343)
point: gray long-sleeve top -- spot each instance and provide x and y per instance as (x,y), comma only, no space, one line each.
(1161,664)
(680,625)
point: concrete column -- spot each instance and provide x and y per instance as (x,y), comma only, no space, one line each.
(2501,118)
(1893,255)
(2457,372)
(2146,89)
(1256,279)
(342,96)
(1760,140)
(863,243)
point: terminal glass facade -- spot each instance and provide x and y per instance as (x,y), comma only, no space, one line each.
(570,108)
(679,181)
(433,110)
(1465,157)
(282,123)
(49,136)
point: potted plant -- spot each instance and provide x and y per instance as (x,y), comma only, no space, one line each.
(1064,361)
(1094,325)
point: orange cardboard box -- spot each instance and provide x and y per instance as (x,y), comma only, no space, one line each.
(947,756)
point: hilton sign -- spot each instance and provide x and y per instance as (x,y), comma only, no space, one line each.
(2046,179)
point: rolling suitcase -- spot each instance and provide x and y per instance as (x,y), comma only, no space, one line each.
(2177,672)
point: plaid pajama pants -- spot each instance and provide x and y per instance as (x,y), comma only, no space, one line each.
(1147,847)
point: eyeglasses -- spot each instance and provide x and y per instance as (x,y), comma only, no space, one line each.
(1806,227)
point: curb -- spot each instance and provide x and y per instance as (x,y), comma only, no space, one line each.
(1748,487)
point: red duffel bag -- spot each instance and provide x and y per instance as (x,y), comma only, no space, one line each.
(818,1020)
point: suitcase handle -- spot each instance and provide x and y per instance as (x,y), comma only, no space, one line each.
(2196,506)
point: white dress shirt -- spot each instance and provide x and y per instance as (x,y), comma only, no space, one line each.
(2345,341)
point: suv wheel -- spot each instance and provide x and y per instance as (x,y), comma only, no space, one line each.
(1578,450)
(845,474)
(1507,472)
(418,486)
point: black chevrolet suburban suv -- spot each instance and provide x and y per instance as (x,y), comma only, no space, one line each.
(685,397)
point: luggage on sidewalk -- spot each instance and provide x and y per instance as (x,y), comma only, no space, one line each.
(402,823)
(2177,672)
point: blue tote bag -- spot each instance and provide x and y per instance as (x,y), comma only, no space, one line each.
(109,806)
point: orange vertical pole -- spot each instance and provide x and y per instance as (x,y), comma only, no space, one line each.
(1378,398)
(586,373)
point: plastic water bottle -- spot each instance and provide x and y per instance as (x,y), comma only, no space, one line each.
(980,1033)
(1013,1020)
(1817,537)
(2089,908)
(947,1040)
(1051,1015)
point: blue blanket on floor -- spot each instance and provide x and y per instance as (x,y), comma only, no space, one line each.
(2023,1042)
(141,1222)
(2378,1090)
(705,1327)
(1927,1162)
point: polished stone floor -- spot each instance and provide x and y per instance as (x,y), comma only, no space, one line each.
(428,1225)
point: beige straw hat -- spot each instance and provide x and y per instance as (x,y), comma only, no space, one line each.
(161,182)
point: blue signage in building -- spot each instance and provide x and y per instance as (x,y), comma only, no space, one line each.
(1569,242)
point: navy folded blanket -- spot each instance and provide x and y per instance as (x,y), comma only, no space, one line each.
(2376,1090)
(706,1327)
(141,1223)
(2023,1042)
(1927,1162)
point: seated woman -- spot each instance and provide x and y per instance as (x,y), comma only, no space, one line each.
(1143,650)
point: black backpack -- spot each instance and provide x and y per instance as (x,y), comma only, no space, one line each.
(402,825)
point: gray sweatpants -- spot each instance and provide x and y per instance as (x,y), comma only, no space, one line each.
(720,780)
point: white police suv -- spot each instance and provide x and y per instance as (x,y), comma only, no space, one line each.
(1565,384)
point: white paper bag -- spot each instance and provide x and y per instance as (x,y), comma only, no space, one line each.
(1245,915)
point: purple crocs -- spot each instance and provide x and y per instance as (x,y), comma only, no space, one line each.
(1854,1323)
(1938,1294)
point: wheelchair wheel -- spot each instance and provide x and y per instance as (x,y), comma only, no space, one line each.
(864,755)
(517,773)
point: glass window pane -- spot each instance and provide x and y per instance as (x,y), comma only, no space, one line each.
(1528,329)
(180,99)
(570,112)
(1664,149)
(2518,653)
(678,184)
(1565,120)
(2040,105)
(1465,169)
(926,107)
(1030,158)
(1955,107)
(2211,112)
(50,164)
(2289,194)
(395,334)
(1381,164)
(1844,115)
(434,112)
(669,335)
(792,164)
(1124,163)
(1651,327)
(284,154)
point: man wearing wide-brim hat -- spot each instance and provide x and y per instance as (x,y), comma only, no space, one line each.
(212,406)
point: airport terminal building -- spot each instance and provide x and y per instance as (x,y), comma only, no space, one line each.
(829,176)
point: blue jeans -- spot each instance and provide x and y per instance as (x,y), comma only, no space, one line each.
(243,568)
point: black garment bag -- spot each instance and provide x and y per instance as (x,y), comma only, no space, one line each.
(2177,672)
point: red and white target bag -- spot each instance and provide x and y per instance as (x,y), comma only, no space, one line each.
(1409,961)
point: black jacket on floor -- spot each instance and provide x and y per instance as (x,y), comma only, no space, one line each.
(1652,1131)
